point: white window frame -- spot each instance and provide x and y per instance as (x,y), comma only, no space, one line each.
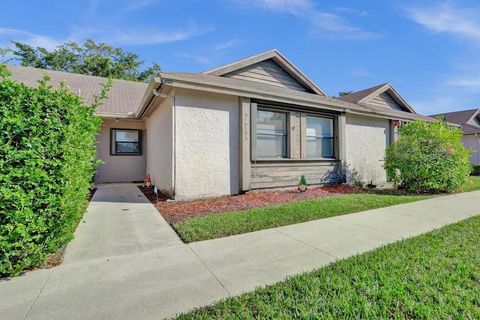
(286,135)
(113,142)
(333,137)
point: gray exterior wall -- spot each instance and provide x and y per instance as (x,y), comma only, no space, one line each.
(268,72)
(200,145)
(366,140)
(288,174)
(472,142)
(385,100)
(120,168)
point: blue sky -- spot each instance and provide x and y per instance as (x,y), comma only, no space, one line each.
(429,50)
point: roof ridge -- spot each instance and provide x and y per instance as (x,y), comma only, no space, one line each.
(451,112)
(74,73)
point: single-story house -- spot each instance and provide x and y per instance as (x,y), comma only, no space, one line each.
(252,124)
(469,120)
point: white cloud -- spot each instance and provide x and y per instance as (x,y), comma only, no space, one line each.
(324,23)
(110,36)
(33,39)
(358,13)
(136,5)
(466,82)
(225,45)
(445,18)
(198,58)
(434,104)
(131,36)
(290,6)
(150,37)
(455,91)
(361,73)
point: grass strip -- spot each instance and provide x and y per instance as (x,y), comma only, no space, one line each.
(432,276)
(230,223)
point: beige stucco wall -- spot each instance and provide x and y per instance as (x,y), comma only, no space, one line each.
(366,140)
(473,142)
(159,154)
(206,144)
(119,168)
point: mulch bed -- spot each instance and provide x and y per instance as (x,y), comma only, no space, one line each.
(176,211)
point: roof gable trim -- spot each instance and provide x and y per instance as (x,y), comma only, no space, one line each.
(276,56)
(388,88)
(475,117)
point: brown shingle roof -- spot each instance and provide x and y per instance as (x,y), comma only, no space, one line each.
(355,97)
(250,89)
(123,99)
(462,118)
(459,117)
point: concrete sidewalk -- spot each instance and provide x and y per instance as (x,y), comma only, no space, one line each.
(126,262)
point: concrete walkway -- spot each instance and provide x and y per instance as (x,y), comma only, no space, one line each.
(127,263)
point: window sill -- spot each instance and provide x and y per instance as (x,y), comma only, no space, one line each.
(294,160)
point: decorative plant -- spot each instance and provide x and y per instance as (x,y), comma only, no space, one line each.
(303,186)
(428,157)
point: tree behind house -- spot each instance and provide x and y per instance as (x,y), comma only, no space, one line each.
(96,59)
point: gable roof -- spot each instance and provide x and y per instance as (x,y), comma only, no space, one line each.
(264,92)
(355,97)
(464,118)
(123,98)
(278,58)
(459,117)
(365,96)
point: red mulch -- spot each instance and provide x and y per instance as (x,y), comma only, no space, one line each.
(177,211)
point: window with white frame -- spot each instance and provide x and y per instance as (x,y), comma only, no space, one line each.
(320,137)
(271,135)
(126,142)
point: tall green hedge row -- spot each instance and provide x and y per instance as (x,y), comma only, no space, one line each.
(47,161)
(475,170)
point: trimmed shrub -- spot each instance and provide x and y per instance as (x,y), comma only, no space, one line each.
(428,157)
(475,170)
(47,161)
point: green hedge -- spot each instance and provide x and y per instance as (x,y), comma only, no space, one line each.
(428,157)
(475,170)
(47,161)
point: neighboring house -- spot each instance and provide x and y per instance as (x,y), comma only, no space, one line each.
(469,120)
(252,124)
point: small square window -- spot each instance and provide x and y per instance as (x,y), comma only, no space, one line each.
(126,142)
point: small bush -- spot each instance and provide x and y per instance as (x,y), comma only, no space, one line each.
(475,170)
(428,157)
(47,160)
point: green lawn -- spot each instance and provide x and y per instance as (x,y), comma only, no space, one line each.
(230,223)
(472,184)
(433,276)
